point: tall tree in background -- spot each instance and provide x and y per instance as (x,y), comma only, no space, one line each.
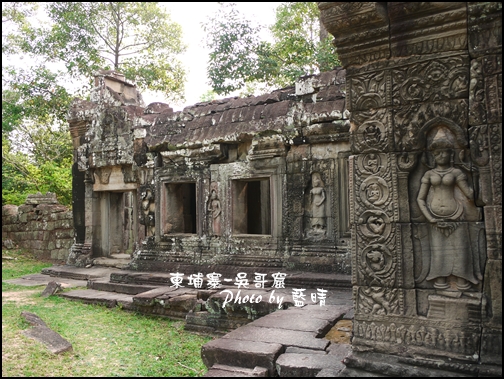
(61,45)
(240,60)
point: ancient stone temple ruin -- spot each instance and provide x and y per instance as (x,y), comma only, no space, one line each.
(388,168)
(259,182)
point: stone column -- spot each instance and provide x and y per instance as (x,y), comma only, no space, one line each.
(419,257)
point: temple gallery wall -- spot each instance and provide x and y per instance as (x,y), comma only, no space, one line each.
(388,169)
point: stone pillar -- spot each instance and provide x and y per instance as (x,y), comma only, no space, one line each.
(420,181)
(485,121)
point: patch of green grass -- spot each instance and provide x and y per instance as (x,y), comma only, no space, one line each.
(106,341)
(17,263)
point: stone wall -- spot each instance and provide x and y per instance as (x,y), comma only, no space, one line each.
(41,225)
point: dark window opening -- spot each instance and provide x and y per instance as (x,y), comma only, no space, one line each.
(180,208)
(251,206)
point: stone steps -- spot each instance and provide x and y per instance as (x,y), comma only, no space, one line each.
(130,289)
(120,261)
(262,332)
(285,343)
(109,299)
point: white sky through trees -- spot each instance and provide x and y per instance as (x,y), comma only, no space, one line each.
(190,16)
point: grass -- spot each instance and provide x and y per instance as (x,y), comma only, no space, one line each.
(106,341)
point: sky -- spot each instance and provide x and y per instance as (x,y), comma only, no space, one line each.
(190,16)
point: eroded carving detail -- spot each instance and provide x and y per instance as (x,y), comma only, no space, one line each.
(148,211)
(379,300)
(434,80)
(214,207)
(418,335)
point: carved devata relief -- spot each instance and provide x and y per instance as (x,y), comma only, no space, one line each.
(449,248)
(148,211)
(316,204)
(215,210)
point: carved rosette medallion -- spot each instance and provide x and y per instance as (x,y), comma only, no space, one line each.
(374,192)
(378,265)
(374,225)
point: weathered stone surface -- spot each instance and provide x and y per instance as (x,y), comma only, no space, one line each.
(52,288)
(218,370)
(31,226)
(285,337)
(319,326)
(248,354)
(306,365)
(109,299)
(41,332)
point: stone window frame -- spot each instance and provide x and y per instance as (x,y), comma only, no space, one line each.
(161,217)
(234,183)
(275,172)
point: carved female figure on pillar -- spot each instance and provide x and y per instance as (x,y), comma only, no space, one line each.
(449,237)
(148,211)
(318,197)
(214,206)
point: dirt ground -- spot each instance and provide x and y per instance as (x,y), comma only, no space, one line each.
(341,332)
(20,296)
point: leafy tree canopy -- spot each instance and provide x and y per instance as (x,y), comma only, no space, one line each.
(240,60)
(57,47)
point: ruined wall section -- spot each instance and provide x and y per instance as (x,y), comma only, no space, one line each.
(256,183)
(41,225)
(101,132)
(424,86)
(278,140)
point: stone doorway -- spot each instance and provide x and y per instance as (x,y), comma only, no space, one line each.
(115,218)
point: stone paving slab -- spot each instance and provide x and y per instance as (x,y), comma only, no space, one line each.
(110,299)
(218,370)
(79,272)
(283,336)
(247,354)
(279,321)
(40,279)
(325,312)
(307,365)
(130,289)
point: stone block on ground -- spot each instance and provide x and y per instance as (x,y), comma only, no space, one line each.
(279,321)
(42,333)
(247,354)
(307,365)
(51,288)
(233,371)
(109,299)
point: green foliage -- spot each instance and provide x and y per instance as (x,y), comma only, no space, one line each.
(40,162)
(135,38)
(208,96)
(232,40)
(66,43)
(240,60)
